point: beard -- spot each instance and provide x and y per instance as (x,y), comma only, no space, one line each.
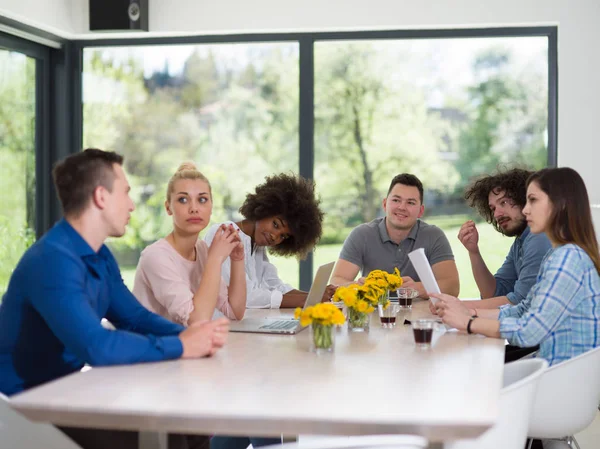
(515,231)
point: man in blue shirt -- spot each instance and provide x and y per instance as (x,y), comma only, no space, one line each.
(68,281)
(500,199)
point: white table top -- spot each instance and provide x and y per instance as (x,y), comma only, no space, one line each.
(375,383)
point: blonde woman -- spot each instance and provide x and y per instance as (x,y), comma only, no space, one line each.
(178,276)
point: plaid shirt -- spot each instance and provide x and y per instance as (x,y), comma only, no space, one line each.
(562,310)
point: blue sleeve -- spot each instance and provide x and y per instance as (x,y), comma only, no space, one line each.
(60,298)
(534,250)
(515,311)
(352,251)
(506,276)
(551,299)
(125,311)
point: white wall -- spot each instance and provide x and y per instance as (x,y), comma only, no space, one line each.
(54,16)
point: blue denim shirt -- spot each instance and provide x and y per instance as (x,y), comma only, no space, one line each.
(50,315)
(518,273)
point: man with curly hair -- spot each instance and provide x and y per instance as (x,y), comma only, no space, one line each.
(283,214)
(500,199)
(384,243)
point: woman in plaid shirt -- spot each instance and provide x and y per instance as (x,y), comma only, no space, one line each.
(562,311)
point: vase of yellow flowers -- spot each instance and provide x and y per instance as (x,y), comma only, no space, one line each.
(386,282)
(359,321)
(361,300)
(321,318)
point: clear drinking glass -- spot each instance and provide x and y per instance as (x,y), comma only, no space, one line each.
(406,296)
(387,315)
(423,332)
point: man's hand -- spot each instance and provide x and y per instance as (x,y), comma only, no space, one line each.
(409,282)
(469,236)
(328,294)
(204,338)
(452,311)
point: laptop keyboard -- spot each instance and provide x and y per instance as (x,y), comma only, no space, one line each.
(281,325)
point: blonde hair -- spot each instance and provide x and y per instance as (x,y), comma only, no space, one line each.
(186,170)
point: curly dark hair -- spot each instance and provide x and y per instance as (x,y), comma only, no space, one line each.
(293,197)
(512,182)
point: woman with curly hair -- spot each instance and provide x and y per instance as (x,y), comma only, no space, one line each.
(283,214)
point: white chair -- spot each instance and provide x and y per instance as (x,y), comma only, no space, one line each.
(516,400)
(16,431)
(567,399)
(357,442)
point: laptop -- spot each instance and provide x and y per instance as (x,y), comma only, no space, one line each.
(287,326)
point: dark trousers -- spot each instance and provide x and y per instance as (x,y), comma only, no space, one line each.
(512,353)
(124,439)
(227,442)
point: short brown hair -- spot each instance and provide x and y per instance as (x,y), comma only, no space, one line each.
(77,176)
(407,179)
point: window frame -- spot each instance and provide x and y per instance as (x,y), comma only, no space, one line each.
(41,55)
(306,43)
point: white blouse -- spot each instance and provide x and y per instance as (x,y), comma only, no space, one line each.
(265,289)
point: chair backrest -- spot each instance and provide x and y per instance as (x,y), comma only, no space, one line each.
(516,399)
(567,397)
(16,431)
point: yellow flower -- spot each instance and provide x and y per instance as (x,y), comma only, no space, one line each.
(376,274)
(324,313)
(368,293)
(362,306)
(394,280)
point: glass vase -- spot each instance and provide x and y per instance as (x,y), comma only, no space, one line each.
(322,338)
(357,321)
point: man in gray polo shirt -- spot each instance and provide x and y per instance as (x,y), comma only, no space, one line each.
(384,243)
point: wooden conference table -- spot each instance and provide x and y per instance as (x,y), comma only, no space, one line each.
(374,383)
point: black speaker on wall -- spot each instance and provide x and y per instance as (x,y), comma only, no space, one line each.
(118,15)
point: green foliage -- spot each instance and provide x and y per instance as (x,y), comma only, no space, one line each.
(368,130)
(233,110)
(15,238)
(17,160)
(508,118)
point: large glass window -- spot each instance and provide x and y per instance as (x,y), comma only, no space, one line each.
(17,159)
(230,108)
(446,110)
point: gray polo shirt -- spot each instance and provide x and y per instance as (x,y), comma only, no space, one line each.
(369,246)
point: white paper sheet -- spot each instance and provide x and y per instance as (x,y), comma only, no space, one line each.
(423,269)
